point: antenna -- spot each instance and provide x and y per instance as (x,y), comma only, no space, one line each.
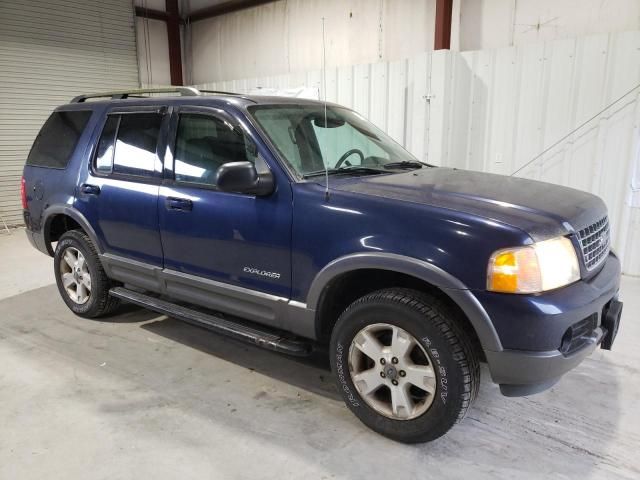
(324,99)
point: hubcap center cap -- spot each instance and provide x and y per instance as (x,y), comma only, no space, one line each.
(391,372)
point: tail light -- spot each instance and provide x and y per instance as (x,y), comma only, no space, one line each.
(23,194)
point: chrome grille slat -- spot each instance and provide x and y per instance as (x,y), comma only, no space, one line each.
(595,242)
(597,232)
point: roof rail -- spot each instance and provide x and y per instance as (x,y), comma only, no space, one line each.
(220,92)
(122,94)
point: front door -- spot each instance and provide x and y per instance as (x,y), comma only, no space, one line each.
(224,250)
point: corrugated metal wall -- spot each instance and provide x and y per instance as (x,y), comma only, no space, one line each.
(512,104)
(495,110)
(49,52)
(285,36)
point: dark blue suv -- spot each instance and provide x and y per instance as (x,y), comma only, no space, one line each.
(293,223)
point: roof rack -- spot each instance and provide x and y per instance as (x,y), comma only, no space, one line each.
(122,94)
(220,92)
(135,93)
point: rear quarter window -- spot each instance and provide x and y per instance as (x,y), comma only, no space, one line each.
(58,139)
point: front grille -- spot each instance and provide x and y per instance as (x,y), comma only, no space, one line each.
(595,243)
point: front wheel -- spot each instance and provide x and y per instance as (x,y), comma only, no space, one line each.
(403,365)
(82,282)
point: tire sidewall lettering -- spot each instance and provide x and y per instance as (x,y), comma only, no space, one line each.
(439,368)
(342,378)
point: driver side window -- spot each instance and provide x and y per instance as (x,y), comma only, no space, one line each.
(203,144)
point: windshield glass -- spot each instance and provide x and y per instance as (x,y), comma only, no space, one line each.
(346,141)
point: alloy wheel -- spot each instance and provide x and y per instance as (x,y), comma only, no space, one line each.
(392,371)
(75,275)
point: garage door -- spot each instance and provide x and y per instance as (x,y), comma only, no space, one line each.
(49,52)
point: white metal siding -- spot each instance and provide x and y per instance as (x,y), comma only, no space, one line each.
(49,52)
(494,110)
(285,36)
(530,97)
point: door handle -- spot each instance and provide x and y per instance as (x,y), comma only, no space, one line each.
(183,204)
(88,189)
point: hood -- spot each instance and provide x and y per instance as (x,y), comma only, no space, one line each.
(542,210)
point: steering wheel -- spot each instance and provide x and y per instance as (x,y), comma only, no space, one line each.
(346,155)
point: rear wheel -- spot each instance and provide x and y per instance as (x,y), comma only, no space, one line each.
(403,365)
(82,282)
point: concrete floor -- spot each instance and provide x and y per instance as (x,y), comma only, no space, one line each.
(144,396)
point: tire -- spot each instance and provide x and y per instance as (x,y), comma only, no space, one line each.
(98,302)
(414,318)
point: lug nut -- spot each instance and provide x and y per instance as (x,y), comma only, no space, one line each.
(382,361)
(402,373)
(395,382)
(394,360)
(382,374)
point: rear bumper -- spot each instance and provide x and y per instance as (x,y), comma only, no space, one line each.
(548,321)
(36,239)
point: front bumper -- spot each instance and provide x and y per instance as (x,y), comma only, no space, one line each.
(534,330)
(522,373)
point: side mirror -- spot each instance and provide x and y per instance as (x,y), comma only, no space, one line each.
(242,177)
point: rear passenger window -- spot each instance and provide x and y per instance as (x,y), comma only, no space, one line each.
(128,144)
(57,139)
(203,144)
(136,142)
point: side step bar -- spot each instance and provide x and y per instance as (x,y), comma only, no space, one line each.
(260,336)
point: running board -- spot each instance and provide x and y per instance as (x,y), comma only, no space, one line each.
(260,336)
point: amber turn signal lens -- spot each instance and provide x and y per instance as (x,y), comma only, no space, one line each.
(514,271)
(504,278)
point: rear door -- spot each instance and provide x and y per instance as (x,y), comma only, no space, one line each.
(119,195)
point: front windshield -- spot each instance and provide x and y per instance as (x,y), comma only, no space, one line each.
(346,141)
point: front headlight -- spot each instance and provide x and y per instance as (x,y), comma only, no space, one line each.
(535,268)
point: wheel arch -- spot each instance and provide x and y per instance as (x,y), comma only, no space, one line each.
(383,270)
(61,218)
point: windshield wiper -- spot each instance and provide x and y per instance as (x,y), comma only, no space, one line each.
(342,170)
(404,164)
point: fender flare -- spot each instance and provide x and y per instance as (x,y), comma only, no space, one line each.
(54,210)
(450,286)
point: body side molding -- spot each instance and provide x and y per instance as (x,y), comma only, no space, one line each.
(254,305)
